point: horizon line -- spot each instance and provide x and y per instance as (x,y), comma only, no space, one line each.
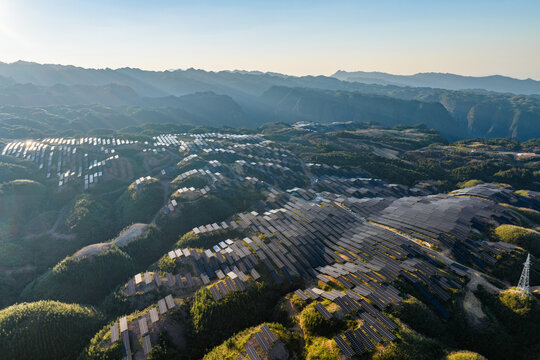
(260,71)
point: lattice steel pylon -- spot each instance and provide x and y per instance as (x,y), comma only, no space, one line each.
(523,285)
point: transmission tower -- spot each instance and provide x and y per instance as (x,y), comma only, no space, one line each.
(523,285)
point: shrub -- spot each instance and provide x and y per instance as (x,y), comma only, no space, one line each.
(470,183)
(464,355)
(313,323)
(526,238)
(512,299)
(321,348)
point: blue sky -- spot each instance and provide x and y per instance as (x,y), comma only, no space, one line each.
(294,37)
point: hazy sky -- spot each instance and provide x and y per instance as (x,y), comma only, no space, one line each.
(294,37)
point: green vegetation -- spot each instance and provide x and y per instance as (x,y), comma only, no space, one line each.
(321,348)
(419,317)
(89,218)
(46,330)
(213,322)
(514,327)
(208,239)
(520,305)
(526,238)
(139,205)
(411,346)
(41,225)
(13,168)
(469,183)
(313,323)
(509,265)
(86,280)
(20,201)
(95,349)
(197,181)
(464,355)
(411,154)
(208,209)
(231,348)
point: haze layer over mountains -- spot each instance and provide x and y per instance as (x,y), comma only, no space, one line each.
(36,100)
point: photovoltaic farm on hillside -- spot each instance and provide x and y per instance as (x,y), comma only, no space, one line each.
(350,238)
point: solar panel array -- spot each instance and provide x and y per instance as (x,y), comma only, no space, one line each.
(360,233)
(69,159)
(141,328)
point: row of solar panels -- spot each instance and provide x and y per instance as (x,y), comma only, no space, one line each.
(121,329)
(224,287)
(264,340)
(153,280)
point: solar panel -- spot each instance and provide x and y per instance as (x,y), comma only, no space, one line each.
(268,333)
(170,279)
(323,311)
(356,345)
(143,325)
(131,287)
(220,274)
(262,342)
(205,279)
(364,339)
(162,306)
(242,276)
(371,333)
(345,348)
(230,284)
(312,294)
(301,295)
(215,293)
(147,345)
(154,317)
(384,332)
(114,333)
(126,346)
(189,280)
(252,353)
(170,302)
(239,284)
(123,324)
(222,289)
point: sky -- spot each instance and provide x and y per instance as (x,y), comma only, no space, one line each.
(295,37)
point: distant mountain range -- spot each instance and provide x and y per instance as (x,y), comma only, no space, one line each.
(497,83)
(39,99)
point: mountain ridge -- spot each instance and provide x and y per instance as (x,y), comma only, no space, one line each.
(449,81)
(480,113)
